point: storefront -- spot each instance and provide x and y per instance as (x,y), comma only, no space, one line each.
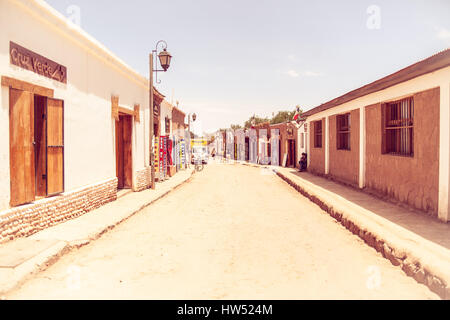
(75,120)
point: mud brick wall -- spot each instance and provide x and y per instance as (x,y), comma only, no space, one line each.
(344,164)
(411,180)
(26,220)
(317,155)
(143,179)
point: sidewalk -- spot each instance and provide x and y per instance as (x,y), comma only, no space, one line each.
(417,243)
(21,258)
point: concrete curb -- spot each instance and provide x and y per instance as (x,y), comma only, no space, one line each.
(11,279)
(421,259)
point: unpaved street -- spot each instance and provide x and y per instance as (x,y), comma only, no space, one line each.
(233,232)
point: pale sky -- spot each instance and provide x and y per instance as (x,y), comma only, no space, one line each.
(234,58)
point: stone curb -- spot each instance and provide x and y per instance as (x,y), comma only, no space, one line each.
(11,279)
(384,237)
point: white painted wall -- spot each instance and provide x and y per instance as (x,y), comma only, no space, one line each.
(93,74)
(301,135)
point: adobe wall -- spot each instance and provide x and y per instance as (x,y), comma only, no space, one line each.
(178,122)
(412,180)
(344,164)
(317,155)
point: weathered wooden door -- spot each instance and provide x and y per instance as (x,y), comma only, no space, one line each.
(55,146)
(123,152)
(22,161)
(291,153)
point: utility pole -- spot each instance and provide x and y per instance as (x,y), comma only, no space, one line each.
(152,114)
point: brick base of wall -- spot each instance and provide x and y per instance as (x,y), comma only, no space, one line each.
(26,220)
(143,179)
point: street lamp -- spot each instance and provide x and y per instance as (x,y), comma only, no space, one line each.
(164,59)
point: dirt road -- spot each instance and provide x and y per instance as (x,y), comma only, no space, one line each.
(234,232)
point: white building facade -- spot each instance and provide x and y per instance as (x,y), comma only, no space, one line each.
(74,121)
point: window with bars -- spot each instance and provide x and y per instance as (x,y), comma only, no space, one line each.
(318,134)
(399,127)
(343,131)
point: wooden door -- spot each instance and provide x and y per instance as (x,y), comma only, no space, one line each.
(119,154)
(123,152)
(55,146)
(291,153)
(22,159)
(127,163)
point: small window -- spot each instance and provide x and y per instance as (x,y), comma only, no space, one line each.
(399,128)
(343,131)
(318,134)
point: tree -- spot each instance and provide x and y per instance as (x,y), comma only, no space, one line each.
(285,116)
(236,126)
(282,116)
(257,120)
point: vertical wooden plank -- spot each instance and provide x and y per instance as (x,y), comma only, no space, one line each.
(55,146)
(115,107)
(22,159)
(119,152)
(137,113)
(127,160)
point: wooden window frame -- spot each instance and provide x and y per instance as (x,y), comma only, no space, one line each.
(26,86)
(116,109)
(398,127)
(343,132)
(318,132)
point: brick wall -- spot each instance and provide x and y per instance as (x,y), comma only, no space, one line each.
(26,220)
(412,180)
(344,164)
(143,179)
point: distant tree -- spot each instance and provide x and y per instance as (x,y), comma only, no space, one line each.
(282,116)
(236,126)
(256,120)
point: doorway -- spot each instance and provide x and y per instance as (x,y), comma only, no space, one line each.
(291,154)
(36,126)
(247,148)
(123,152)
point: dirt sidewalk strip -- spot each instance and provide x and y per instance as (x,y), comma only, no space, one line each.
(425,261)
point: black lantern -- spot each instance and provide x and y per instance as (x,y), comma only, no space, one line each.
(164,59)
(194,117)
